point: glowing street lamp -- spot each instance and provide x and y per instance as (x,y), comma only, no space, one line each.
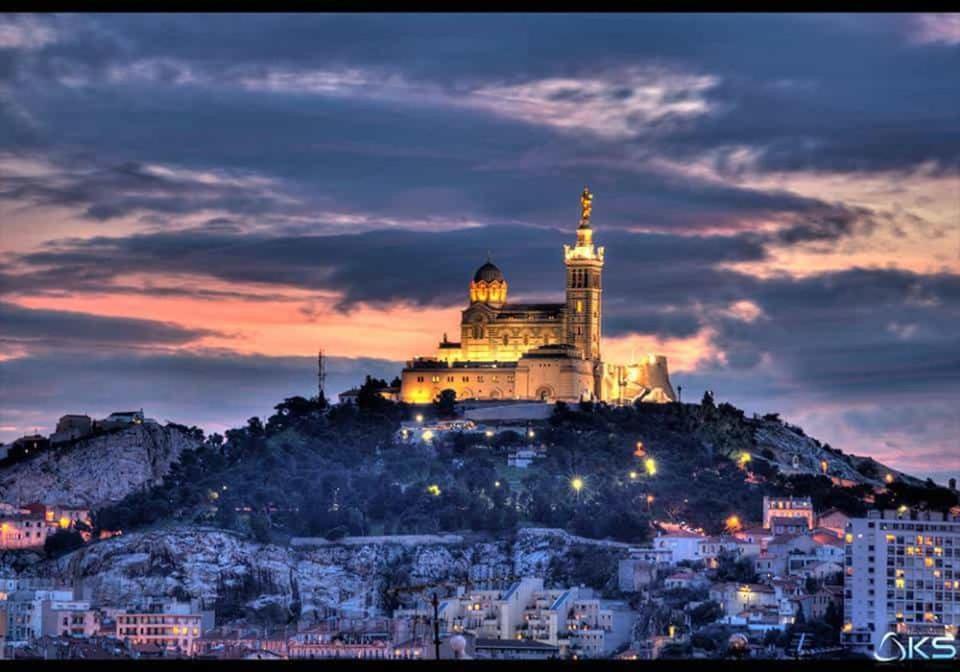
(744,459)
(640,451)
(577,484)
(733,523)
(434,490)
(651,466)
(633,475)
(420,417)
(427,435)
(824,465)
(489,433)
(888,478)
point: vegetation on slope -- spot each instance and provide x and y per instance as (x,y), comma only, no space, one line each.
(314,470)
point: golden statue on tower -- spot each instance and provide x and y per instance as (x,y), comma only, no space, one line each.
(586,205)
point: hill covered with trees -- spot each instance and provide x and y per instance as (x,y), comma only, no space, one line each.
(317,470)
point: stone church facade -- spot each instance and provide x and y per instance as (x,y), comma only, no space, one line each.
(537,351)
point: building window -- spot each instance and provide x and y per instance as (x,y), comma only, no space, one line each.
(419,379)
(506,340)
(435,379)
(579,306)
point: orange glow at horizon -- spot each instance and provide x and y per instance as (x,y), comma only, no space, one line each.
(293,325)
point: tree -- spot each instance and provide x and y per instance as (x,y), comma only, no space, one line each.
(62,542)
(446,404)
(260,528)
(707,401)
(706,612)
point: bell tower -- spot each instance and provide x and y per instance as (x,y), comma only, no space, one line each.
(584,264)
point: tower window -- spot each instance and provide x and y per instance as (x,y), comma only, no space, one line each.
(506,340)
(579,306)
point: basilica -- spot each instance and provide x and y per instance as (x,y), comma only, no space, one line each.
(537,351)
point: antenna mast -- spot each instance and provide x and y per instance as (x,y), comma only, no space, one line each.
(321,375)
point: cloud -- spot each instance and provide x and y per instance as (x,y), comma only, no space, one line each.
(941,29)
(25,32)
(23,327)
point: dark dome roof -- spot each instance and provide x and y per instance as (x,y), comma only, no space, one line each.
(488,273)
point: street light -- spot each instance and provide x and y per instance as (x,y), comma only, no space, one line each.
(651,466)
(633,475)
(420,417)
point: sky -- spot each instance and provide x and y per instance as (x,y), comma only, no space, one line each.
(192,205)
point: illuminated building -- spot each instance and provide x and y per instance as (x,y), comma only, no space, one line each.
(173,627)
(542,351)
(902,575)
(787,507)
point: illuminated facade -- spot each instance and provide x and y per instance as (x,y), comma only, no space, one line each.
(542,351)
(902,576)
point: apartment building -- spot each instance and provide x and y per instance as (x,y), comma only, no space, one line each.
(901,575)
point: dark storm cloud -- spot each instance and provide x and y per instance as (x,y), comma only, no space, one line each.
(382,267)
(42,328)
(805,90)
(856,334)
(104,192)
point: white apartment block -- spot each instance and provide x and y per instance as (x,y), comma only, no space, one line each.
(901,574)
(26,610)
(787,507)
(175,627)
(564,617)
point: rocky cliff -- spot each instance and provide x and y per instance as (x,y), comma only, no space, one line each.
(241,577)
(792,452)
(95,471)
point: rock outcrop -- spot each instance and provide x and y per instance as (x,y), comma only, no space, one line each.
(228,572)
(98,470)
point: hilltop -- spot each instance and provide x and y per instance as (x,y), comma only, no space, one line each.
(332,472)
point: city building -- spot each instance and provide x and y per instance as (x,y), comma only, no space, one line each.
(641,568)
(787,507)
(120,419)
(901,575)
(682,545)
(27,529)
(569,619)
(26,611)
(173,627)
(70,427)
(833,520)
(536,351)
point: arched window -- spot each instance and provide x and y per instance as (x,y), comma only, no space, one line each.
(506,340)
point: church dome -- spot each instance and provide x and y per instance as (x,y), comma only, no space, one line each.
(489,286)
(488,273)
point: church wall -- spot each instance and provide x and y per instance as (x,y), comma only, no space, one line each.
(521,337)
(423,385)
(566,379)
